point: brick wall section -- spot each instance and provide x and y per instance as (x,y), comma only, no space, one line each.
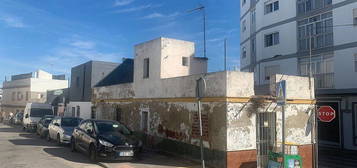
(242,159)
(196,126)
(306,152)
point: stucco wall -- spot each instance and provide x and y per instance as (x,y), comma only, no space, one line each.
(297,87)
(85,109)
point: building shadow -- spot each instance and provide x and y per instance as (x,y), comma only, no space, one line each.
(159,159)
(65,153)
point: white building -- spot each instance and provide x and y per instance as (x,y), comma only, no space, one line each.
(29,88)
(275,38)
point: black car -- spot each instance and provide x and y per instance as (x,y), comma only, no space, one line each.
(105,139)
(42,125)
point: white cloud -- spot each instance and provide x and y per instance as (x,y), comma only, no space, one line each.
(137,8)
(160,15)
(74,51)
(13,21)
(213,40)
(122,2)
(83,44)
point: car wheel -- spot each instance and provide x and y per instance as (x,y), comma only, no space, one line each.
(48,137)
(73,145)
(58,139)
(92,153)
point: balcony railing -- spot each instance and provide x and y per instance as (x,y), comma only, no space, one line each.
(324,81)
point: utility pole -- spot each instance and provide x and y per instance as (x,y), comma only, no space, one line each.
(202,8)
(225,54)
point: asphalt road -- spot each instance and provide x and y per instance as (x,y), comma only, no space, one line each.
(19,149)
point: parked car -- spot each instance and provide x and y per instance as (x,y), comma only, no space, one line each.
(42,126)
(33,113)
(61,128)
(105,139)
(18,118)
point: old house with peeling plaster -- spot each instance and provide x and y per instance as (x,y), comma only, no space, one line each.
(160,104)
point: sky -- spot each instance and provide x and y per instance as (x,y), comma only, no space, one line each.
(55,35)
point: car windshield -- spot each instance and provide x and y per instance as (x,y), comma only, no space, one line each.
(70,122)
(38,112)
(108,126)
(47,121)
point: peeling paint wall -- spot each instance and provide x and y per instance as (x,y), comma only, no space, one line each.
(241,129)
(229,112)
(172,120)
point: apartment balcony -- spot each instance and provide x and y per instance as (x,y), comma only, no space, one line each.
(324,81)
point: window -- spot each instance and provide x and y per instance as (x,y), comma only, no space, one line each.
(93,109)
(271,39)
(144,120)
(184,61)
(243,2)
(27,96)
(271,7)
(73,111)
(77,81)
(355,62)
(304,6)
(317,29)
(355,17)
(146,67)
(118,113)
(13,97)
(253,17)
(19,96)
(83,125)
(271,70)
(244,26)
(78,111)
(322,69)
(244,52)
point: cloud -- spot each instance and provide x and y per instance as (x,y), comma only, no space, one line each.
(13,21)
(213,40)
(160,15)
(137,8)
(83,44)
(74,51)
(122,2)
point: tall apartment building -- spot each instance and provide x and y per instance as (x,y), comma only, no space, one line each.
(29,88)
(276,37)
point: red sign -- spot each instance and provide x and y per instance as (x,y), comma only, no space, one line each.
(326,113)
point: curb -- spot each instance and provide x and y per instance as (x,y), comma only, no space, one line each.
(104,165)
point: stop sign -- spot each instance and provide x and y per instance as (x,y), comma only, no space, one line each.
(326,113)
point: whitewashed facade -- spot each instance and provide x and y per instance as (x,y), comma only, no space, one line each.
(275,39)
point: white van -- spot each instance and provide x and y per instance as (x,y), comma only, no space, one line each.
(33,113)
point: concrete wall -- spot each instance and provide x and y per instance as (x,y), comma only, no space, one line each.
(88,74)
(172,52)
(229,113)
(296,87)
(85,109)
(43,75)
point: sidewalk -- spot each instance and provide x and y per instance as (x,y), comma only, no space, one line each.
(152,160)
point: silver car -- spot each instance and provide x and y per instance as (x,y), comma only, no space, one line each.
(61,129)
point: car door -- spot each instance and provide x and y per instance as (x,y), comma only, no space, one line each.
(79,134)
(88,135)
(52,128)
(39,126)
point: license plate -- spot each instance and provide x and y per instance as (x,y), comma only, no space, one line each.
(126,153)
